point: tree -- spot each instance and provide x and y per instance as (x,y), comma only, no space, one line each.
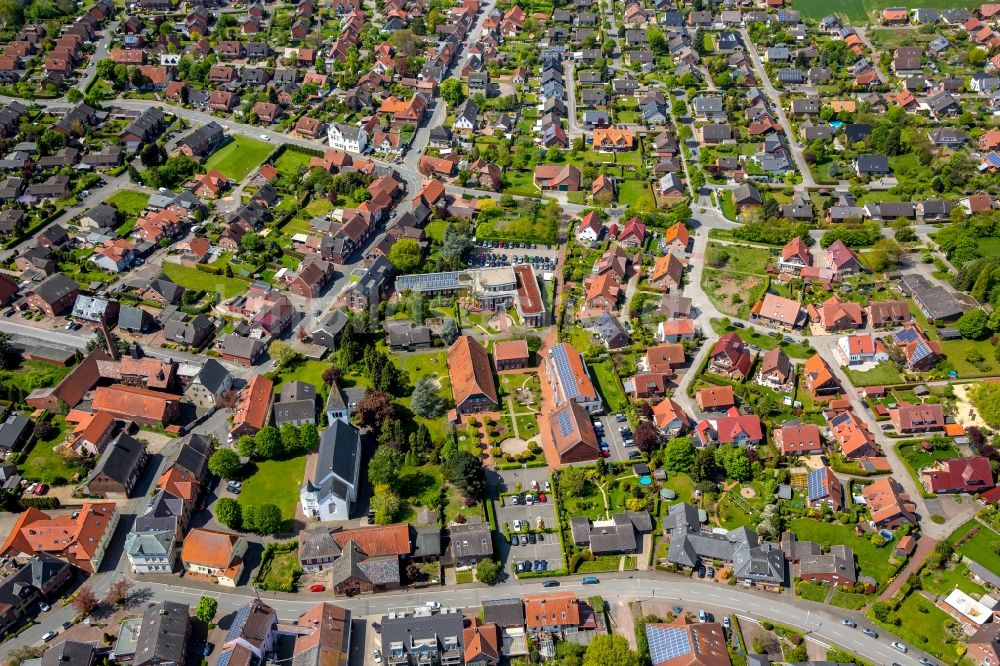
(383,469)
(735,462)
(9,358)
(607,649)
(704,467)
(386,505)
(224,463)
(973,325)
(119,591)
(572,482)
(229,512)
(450,331)
(267,519)
(291,440)
(267,443)
(308,437)
(465,471)
(85,601)
(246,446)
(374,409)
(885,254)
(405,255)
(487,571)
(282,352)
(646,437)
(679,454)
(207,607)
(425,400)
(451,92)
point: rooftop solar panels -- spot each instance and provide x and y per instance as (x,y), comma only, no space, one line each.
(560,357)
(666,643)
(429,281)
(565,423)
(815,487)
(906,335)
(237,626)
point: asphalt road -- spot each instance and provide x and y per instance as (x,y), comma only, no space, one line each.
(816,620)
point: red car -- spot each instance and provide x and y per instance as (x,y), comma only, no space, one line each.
(606,453)
(41,489)
(317,588)
(541,497)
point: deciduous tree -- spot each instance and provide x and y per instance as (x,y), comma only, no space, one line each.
(207,607)
(224,463)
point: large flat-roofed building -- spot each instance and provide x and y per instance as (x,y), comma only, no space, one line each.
(494,289)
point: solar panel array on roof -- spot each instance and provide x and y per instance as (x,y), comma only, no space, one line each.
(906,335)
(237,626)
(666,643)
(224,658)
(565,423)
(814,484)
(560,357)
(429,281)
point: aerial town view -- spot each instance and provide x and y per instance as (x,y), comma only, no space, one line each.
(499,332)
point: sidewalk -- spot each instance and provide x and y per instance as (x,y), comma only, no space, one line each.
(924,547)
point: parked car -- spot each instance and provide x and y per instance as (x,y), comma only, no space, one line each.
(532,539)
(41,489)
(726,623)
(376,656)
(632,455)
(868,631)
(550,583)
(589,580)
(927,662)
(49,635)
(702,616)
(849,623)
(317,588)
(541,498)
(514,540)
(44,607)
(899,646)
(377,626)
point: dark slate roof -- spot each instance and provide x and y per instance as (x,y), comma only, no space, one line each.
(69,653)
(318,544)
(292,411)
(164,630)
(471,540)
(120,458)
(435,628)
(339,448)
(132,318)
(37,573)
(504,612)
(14,432)
(55,287)
(354,563)
(162,513)
(427,540)
(212,375)
(194,453)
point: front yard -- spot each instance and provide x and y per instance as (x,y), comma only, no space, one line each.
(195,280)
(884,374)
(872,561)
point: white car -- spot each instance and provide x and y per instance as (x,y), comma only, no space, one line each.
(517,525)
(49,635)
(44,607)
(899,646)
(265,137)
(432,604)
(376,656)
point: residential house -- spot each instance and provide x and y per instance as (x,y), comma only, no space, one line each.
(217,556)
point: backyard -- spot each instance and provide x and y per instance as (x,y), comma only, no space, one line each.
(46,465)
(130,203)
(872,561)
(195,280)
(239,157)
(282,571)
(979,546)
(883,374)
(310,372)
(275,482)
(290,161)
(609,385)
(765,342)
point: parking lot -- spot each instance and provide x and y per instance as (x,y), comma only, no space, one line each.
(547,548)
(616,439)
(542,257)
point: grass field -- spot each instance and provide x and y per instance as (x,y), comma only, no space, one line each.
(873,561)
(958,352)
(812,591)
(848,600)
(128,202)
(435,230)
(737,259)
(609,385)
(857,11)
(45,465)
(923,624)
(192,278)
(310,372)
(765,342)
(289,162)
(880,375)
(31,375)
(980,546)
(275,482)
(239,157)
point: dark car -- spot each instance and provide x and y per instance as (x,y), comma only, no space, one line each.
(514,540)
(550,583)
(532,539)
(377,627)
(868,631)
(632,455)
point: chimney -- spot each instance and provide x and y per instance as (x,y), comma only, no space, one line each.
(109,341)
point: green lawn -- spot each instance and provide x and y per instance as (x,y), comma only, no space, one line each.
(192,278)
(130,203)
(609,385)
(318,207)
(873,561)
(282,571)
(943,581)
(980,546)
(958,352)
(435,364)
(812,591)
(435,230)
(631,191)
(289,162)
(858,11)
(682,484)
(728,205)
(600,564)
(310,372)
(849,600)
(45,465)
(880,375)
(31,375)
(923,624)
(275,482)
(239,157)
(737,259)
